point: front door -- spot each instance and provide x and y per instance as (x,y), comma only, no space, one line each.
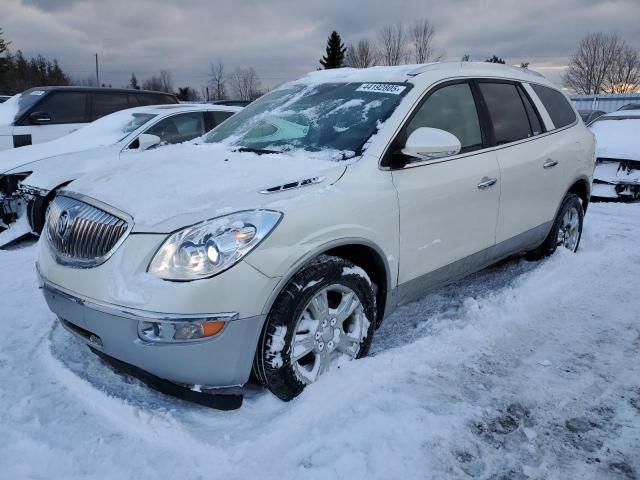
(449,206)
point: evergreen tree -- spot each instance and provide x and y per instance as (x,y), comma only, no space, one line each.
(133,83)
(335,51)
(495,59)
(5,62)
(465,58)
(524,65)
(4,45)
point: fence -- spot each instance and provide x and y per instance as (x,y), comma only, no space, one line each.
(609,102)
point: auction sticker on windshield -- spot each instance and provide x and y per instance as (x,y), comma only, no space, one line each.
(381,88)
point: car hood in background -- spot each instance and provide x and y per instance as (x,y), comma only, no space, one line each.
(181,185)
(20,159)
(619,139)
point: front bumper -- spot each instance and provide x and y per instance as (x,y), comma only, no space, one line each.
(220,362)
(616,179)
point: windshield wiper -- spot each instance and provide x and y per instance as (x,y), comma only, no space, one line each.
(259,151)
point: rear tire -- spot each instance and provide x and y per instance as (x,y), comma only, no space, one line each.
(566,230)
(326,313)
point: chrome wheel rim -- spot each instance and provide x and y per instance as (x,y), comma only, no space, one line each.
(569,232)
(332,327)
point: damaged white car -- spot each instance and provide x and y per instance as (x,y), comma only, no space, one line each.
(30,176)
(617,173)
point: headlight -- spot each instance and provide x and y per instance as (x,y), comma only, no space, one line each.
(211,247)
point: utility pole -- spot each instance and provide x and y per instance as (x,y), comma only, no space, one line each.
(97,74)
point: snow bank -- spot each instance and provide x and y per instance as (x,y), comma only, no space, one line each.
(526,370)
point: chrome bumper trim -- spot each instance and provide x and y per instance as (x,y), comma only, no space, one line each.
(133,313)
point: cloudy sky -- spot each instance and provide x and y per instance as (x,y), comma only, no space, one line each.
(283,39)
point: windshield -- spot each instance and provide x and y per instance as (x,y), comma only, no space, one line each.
(110,129)
(335,117)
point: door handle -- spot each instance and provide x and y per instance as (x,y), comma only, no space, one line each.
(550,163)
(487,182)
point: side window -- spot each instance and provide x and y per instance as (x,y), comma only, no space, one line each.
(219,117)
(64,107)
(507,112)
(106,103)
(168,99)
(451,108)
(532,113)
(179,128)
(556,105)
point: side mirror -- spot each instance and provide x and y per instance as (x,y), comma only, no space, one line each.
(146,141)
(40,118)
(430,143)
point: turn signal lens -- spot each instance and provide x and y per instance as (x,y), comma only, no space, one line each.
(209,329)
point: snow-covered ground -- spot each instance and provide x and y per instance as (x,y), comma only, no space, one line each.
(524,371)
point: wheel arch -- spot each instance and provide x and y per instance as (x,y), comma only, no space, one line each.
(362,252)
(582,188)
(35,213)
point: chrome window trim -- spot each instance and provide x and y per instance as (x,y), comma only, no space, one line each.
(475,152)
(78,263)
(133,313)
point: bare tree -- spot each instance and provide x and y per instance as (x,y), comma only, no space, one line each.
(591,63)
(362,55)
(245,83)
(422,34)
(167,81)
(159,83)
(393,49)
(217,81)
(623,75)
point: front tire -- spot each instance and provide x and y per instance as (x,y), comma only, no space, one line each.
(325,314)
(566,230)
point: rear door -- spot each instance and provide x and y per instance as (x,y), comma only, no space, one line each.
(67,111)
(449,206)
(529,168)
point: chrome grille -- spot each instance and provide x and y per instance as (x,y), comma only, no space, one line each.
(81,234)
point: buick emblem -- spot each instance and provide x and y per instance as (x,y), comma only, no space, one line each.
(62,227)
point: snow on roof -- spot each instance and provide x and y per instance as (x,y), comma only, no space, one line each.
(402,73)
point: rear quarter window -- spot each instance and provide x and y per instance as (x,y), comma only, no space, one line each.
(556,104)
(151,99)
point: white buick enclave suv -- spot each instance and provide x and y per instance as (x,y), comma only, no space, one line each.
(279,245)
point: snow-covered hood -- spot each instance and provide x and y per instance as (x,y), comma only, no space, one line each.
(618,139)
(51,172)
(23,159)
(180,185)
